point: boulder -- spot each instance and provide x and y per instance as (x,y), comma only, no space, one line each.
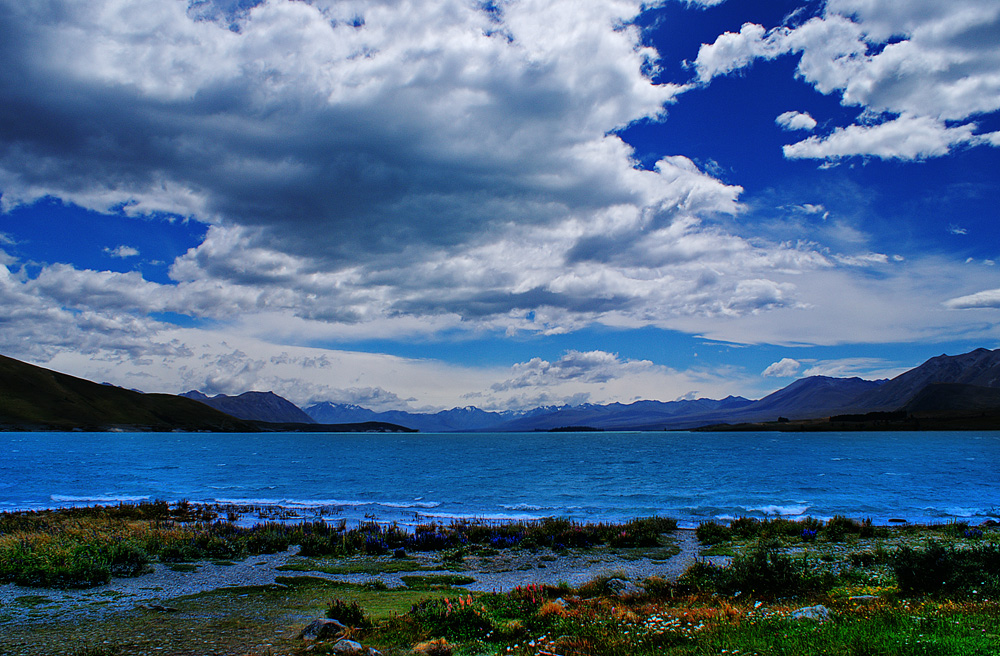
(623,588)
(815,613)
(323,629)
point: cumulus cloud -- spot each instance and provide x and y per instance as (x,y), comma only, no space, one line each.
(122,252)
(783,368)
(923,68)
(796,121)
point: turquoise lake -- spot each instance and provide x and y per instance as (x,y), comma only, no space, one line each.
(920,477)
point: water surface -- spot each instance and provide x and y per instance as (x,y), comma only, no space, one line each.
(918,476)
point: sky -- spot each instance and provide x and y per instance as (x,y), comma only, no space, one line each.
(424,204)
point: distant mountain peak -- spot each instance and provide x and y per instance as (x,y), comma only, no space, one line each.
(255,406)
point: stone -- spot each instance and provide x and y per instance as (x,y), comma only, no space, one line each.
(815,613)
(347,647)
(623,588)
(323,629)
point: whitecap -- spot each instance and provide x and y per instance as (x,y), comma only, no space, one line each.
(409,504)
(484,517)
(66,498)
(782,510)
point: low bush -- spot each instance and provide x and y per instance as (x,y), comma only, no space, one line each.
(944,570)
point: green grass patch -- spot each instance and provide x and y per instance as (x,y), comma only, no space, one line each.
(433,581)
(369,566)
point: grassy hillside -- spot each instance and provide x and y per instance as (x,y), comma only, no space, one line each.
(35,398)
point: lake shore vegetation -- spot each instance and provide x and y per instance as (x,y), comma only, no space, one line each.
(778,586)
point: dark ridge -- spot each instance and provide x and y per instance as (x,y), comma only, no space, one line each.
(34,398)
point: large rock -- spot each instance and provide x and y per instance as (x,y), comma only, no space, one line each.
(323,629)
(815,613)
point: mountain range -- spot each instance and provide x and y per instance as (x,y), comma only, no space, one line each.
(946,389)
(945,384)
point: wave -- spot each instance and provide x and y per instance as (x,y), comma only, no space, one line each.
(523,506)
(325,503)
(784,511)
(409,504)
(66,498)
(484,517)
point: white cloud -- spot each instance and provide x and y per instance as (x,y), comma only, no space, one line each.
(924,65)
(957,230)
(783,368)
(122,251)
(906,138)
(989,298)
(796,121)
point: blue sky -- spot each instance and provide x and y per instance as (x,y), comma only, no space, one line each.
(501,204)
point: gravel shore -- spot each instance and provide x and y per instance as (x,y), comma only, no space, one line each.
(508,569)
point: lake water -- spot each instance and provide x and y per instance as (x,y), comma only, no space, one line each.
(921,477)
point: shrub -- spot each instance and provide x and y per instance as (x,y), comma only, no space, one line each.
(713,533)
(126,559)
(521,603)
(840,527)
(745,527)
(351,614)
(937,569)
(763,571)
(444,619)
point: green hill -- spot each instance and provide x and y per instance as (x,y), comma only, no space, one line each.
(33,398)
